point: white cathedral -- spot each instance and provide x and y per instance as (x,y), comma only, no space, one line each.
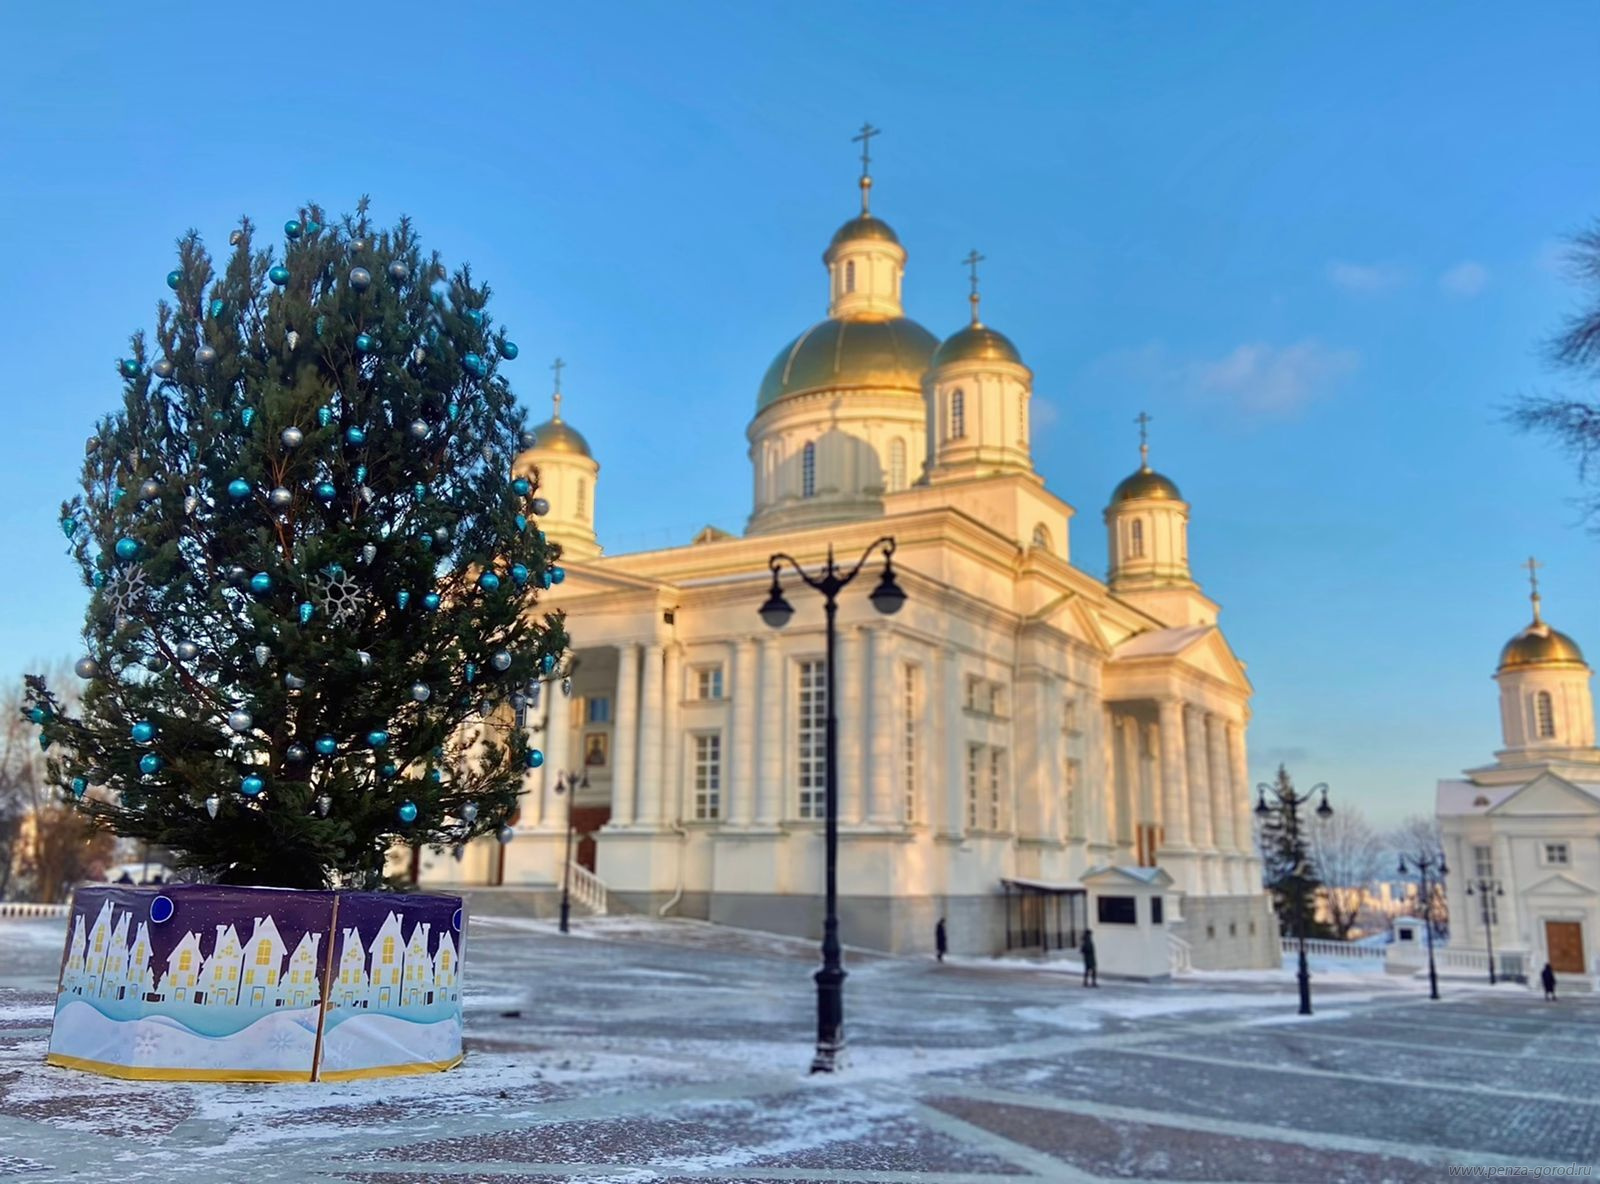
(1019,723)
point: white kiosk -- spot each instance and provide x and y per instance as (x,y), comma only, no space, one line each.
(1128,913)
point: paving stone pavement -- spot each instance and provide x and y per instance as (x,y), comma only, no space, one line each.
(669,1052)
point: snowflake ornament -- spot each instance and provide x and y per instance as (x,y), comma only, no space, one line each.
(125,591)
(340,596)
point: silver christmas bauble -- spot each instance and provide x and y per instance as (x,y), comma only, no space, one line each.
(155,663)
(280,498)
(441,536)
(149,488)
(501,660)
(86,668)
(239,721)
(540,506)
(469,813)
(191,504)
(528,440)
(364,658)
(419,429)
(566,687)
(235,237)
(506,834)
(188,650)
(163,367)
(324,804)
(205,355)
(292,338)
(359,244)
(236,574)
(399,272)
(263,655)
(213,803)
(297,752)
(360,279)
(418,356)
(294,682)
(420,691)
(369,552)
(292,437)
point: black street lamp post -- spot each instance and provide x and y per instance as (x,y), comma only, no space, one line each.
(887,598)
(1431,870)
(1485,887)
(1287,811)
(569,783)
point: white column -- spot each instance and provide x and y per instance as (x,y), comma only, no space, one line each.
(880,731)
(1175,818)
(742,710)
(932,706)
(769,788)
(557,722)
(1104,801)
(849,678)
(1199,792)
(1244,832)
(1222,813)
(625,743)
(670,798)
(955,749)
(650,725)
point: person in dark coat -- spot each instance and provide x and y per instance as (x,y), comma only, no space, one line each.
(1548,978)
(1091,975)
(940,943)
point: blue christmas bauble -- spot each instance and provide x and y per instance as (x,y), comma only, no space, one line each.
(238,489)
(354,436)
(247,416)
(522,487)
(402,598)
(251,786)
(508,350)
(327,491)
(364,342)
(488,581)
(218,307)
(279,275)
(407,812)
(475,315)
(307,611)
(149,764)
(388,770)
(292,228)
(127,548)
(174,278)
(431,601)
(557,574)
(261,583)
(312,226)
(327,745)
(522,522)
(324,416)
(535,758)
(44,742)
(473,363)
(143,732)
(519,574)
(80,786)
(129,367)
(377,739)
(549,663)
(38,715)
(435,776)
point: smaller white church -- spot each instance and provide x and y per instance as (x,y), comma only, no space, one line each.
(1524,832)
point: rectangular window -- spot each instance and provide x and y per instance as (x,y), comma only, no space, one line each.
(1556,854)
(1117,910)
(812,740)
(1155,909)
(708,776)
(708,682)
(996,701)
(1069,716)
(973,685)
(911,704)
(1070,773)
(597,709)
(974,755)
(1483,862)
(997,760)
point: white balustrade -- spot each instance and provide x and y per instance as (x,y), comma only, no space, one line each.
(587,889)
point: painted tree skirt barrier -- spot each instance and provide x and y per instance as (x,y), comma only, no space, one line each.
(211,983)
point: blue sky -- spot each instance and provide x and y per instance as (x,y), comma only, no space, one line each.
(1320,246)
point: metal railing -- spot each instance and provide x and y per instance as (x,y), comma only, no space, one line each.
(1322,947)
(26,908)
(588,889)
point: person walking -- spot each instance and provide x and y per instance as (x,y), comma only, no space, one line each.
(1091,975)
(939,941)
(1548,978)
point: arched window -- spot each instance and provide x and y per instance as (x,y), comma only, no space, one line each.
(1544,712)
(1041,537)
(958,415)
(897,465)
(850,276)
(808,471)
(1136,539)
(583,500)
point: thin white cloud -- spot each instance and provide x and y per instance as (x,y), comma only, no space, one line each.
(1043,412)
(1257,378)
(1465,280)
(1365,278)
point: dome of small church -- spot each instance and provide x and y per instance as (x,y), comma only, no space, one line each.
(1146,483)
(557,435)
(1540,645)
(977,343)
(863,226)
(892,352)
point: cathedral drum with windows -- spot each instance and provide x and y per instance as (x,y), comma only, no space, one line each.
(1019,724)
(1524,832)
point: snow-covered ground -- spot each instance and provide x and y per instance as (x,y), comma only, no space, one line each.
(646,1050)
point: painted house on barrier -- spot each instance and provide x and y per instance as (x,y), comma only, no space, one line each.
(446,968)
(219,976)
(351,988)
(299,989)
(1020,721)
(387,957)
(181,978)
(417,969)
(262,965)
(1527,826)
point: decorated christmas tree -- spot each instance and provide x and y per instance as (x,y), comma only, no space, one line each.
(311,571)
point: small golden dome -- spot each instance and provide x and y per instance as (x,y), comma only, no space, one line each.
(1540,645)
(977,343)
(1146,484)
(556,435)
(863,226)
(890,353)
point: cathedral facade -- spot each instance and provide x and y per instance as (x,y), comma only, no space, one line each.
(1019,723)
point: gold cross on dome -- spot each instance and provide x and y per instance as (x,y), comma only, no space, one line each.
(972,260)
(1143,420)
(1533,566)
(864,138)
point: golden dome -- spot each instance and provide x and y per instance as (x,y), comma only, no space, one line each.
(556,435)
(863,226)
(1146,483)
(977,343)
(836,353)
(1540,645)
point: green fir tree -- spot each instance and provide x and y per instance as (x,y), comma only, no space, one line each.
(311,568)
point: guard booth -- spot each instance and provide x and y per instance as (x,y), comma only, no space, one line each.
(1128,917)
(1043,916)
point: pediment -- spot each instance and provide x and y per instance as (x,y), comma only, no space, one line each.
(1560,884)
(1202,648)
(585,579)
(1547,795)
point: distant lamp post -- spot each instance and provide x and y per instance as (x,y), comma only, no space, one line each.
(1430,870)
(569,783)
(887,598)
(1485,888)
(1286,809)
